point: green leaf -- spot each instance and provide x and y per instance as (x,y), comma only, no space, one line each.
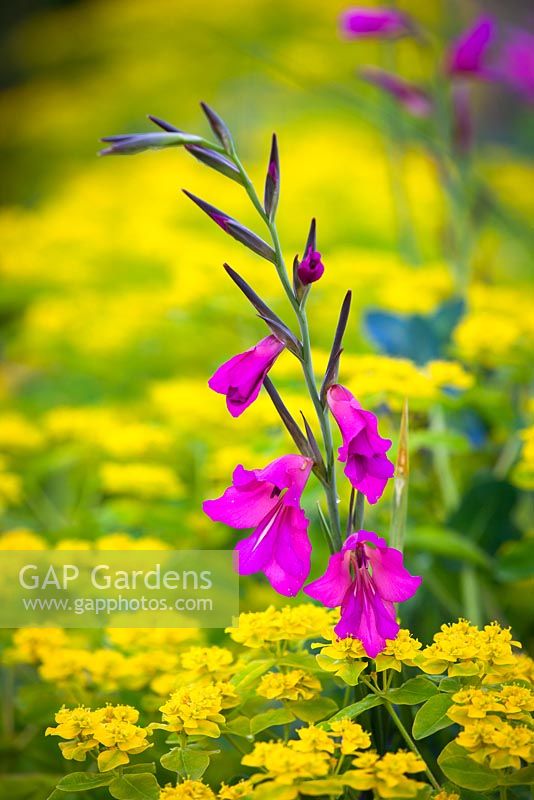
(299,661)
(82,781)
(268,719)
(464,771)
(451,685)
(239,726)
(30,786)
(350,672)
(432,716)
(148,766)
(520,777)
(135,787)
(329,786)
(414,691)
(254,670)
(516,560)
(188,763)
(355,709)
(313,710)
(443,542)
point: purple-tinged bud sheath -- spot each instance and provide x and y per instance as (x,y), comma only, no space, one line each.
(383,23)
(311,267)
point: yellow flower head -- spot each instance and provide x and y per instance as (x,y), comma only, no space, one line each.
(401,650)
(73,722)
(312,739)
(285,764)
(195,710)
(498,742)
(257,628)
(207,660)
(353,736)
(472,703)
(236,791)
(30,644)
(293,685)
(187,790)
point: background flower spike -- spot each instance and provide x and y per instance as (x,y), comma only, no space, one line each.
(234,228)
(272,181)
(219,128)
(332,367)
(400,484)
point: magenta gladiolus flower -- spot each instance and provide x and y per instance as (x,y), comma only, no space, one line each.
(467,54)
(415,100)
(363,450)
(385,23)
(517,63)
(241,378)
(268,500)
(366,598)
(311,267)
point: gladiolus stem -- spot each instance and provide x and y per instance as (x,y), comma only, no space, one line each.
(306,360)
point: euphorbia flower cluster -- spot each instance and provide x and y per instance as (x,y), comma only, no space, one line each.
(365,577)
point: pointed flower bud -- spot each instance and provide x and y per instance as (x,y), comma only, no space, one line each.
(414,99)
(311,267)
(219,127)
(234,228)
(467,54)
(272,181)
(130,144)
(383,23)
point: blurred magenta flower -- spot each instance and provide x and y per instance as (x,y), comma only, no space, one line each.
(414,99)
(241,378)
(364,450)
(311,267)
(467,54)
(366,598)
(385,23)
(268,500)
(516,64)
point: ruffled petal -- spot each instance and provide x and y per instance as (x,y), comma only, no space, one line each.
(330,588)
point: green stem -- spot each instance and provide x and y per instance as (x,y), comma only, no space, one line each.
(306,360)
(409,741)
(402,730)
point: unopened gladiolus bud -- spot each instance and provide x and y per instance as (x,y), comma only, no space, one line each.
(310,268)
(130,144)
(219,127)
(272,181)
(414,99)
(467,54)
(234,228)
(383,23)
